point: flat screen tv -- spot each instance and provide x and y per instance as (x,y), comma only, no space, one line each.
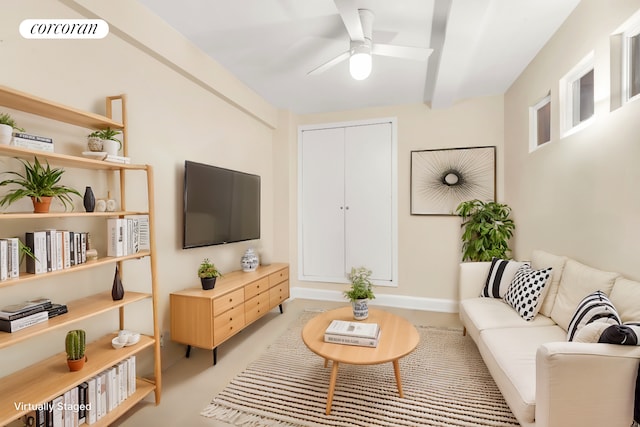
(220,205)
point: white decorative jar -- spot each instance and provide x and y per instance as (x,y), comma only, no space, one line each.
(360,309)
(249,260)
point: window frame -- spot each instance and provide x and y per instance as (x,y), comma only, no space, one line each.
(631,32)
(534,144)
(567,99)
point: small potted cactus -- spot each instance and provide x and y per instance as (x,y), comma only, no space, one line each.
(74,346)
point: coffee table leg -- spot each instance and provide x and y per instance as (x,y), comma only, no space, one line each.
(396,369)
(332,385)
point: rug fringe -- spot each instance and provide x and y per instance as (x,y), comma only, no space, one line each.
(240,418)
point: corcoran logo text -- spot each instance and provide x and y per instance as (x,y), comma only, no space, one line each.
(64,29)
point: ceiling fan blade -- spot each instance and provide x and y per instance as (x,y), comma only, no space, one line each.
(351,18)
(406,52)
(324,67)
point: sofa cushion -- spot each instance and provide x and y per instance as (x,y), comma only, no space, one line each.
(625,296)
(578,281)
(595,307)
(501,274)
(541,259)
(527,290)
(510,356)
(478,314)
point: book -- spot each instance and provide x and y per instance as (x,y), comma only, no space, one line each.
(26,305)
(4,259)
(141,232)
(8,315)
(24,322)
(32,142)
(91,401)
(36,241)
(349,340)
(115,237)
(33,137)
(57,310)
(14,257)
(353,329)
(117,159)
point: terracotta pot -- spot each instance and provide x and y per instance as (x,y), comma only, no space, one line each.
(76,365)
(42,206)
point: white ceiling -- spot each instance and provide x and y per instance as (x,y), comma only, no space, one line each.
(480,47)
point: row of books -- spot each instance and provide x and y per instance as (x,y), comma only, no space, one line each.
(9,258)
(128,235)
(87,403)
(55,250)
(16,317)
(32,142)
(353,333)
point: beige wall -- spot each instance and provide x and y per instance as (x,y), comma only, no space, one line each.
(578,195)
(428,246)
(173,117)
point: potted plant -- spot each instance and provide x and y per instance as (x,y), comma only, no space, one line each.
(361,292)
(104,140)
(7,125)
(41,184)
(74,343)
(487,230)
(207,272)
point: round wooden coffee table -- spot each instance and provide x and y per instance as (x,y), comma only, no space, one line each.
(398,338)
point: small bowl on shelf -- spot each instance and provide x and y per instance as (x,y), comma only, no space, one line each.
(128,338)
(118,343)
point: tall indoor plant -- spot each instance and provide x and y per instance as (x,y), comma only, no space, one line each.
(41,184)
(487,230)
(360,292)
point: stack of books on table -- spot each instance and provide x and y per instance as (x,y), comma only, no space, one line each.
(19,316)
(353,333)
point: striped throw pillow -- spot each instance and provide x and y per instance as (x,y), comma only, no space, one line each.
(595,307)
(501,274)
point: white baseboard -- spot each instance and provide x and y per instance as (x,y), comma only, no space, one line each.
(400,301)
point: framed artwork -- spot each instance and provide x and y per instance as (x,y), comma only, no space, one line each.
(442,179)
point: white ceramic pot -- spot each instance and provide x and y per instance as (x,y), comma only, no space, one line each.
(110,147)
(6,133)
(360,309)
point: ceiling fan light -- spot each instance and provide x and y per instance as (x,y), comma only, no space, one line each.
(360,65)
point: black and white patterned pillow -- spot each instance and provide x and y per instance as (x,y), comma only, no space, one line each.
(594,307)
(526,292)
(501,274)
(626,334)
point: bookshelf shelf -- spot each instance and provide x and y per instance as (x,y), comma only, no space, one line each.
(79,309)
(25,277)
(49,378)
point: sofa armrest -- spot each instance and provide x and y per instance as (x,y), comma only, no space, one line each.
(472,277)
(585,384)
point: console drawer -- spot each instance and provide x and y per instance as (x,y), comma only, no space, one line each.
(278,293)
(254,288)
(228,324)
(256,307)
(228,301)
(278,277)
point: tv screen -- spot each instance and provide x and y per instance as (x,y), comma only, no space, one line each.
(220,205)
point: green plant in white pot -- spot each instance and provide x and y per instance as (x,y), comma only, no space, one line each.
(360,292)
(7,126)
(105,140)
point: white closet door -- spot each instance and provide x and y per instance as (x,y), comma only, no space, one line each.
(369,199)
(323,203)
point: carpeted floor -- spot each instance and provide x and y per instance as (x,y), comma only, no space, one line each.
(445,383)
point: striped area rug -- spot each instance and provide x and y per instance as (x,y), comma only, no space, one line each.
(445,383)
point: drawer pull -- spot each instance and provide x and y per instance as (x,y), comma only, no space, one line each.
(230,299)
(230,319)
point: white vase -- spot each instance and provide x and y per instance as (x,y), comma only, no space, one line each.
(110,147)
(249,260)
(360,309)
(6,134)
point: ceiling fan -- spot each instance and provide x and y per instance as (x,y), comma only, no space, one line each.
(359,25)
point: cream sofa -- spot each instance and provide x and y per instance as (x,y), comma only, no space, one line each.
(546,380)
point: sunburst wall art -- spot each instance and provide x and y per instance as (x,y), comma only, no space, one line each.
(442,179)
